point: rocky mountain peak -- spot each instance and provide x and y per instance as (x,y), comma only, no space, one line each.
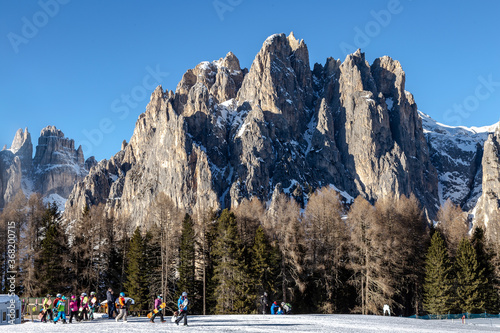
(23,148)
(280,82)
(49,131)
(53,172)
(21,139)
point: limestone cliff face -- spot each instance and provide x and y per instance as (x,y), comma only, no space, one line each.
(377,129)
(229,133)
(57,164)
(15,163)
(54,170)
(488,206)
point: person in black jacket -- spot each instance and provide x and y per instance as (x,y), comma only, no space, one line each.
(111,303)
(264,303)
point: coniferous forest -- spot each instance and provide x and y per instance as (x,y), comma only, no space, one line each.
(326,257)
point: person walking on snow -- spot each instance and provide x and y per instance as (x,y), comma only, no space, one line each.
(73,308)
(182,304)
(122,305)
(54,304)
(47,304)
(264,303)
(110,302)
(92,305)
(61,308)
(84,307)
(158,303)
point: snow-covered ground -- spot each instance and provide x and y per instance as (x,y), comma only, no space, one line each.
(269,324)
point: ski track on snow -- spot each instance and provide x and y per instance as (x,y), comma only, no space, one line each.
(268,324)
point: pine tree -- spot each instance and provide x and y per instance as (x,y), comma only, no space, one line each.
(206,226)
(438,287)
(413,240)
(186,280)
(471,281)
(232,283)
(264,265)
(484,258)
(50,264)
(137,284)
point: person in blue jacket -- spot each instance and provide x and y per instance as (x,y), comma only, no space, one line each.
(182,304)
(274,307)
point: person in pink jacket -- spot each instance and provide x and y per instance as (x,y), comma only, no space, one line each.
(73,308)
(158,302)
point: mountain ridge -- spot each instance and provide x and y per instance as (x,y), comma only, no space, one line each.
(286,126)
(228,133)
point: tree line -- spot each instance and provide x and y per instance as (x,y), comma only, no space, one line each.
(326,258)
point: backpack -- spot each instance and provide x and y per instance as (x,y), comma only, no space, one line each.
(128,303)
(54,304)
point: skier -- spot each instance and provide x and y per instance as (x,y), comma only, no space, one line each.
(274,307)
(61,308)
(158,303)
(263,302)
(110,302)
(84,307)
(73,308)
(182,304)
(123,308)
(46,304)
(92,305)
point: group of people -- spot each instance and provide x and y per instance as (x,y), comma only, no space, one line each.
(180,314)
(283,308)
(80,307)
(121,305)
(118,305)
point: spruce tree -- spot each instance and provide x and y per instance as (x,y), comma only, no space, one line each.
(438,287)
(186,280)
(137,284)
(206,233)
(485,262)
(50,264)
(264,265)
(230,274)
(471,282)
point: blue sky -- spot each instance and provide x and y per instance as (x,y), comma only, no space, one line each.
(89,67)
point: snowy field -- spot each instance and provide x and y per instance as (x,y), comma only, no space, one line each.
(268,323)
